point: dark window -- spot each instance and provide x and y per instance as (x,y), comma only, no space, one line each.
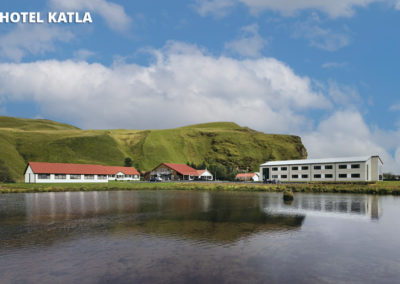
(355,166)
(342,175)
(283,176)
(44,176)
(59,176)
(283,168)
(380,177)
(355,175)
(304,168)
(75,176)
(274,169)
(295,176)
(328,167)
(274,176)
(317,176)
(295,168)
(89,176)
(317,167)
(304,176)
(101,177)
(342,167)
(328,175)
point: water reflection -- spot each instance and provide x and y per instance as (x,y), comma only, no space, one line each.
(367,206)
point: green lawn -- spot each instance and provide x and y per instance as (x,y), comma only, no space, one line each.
(362,188)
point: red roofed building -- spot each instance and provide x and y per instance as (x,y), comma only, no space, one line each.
(248,177)
(168,171)
(40,172)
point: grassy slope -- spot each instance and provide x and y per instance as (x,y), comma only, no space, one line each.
(226,143)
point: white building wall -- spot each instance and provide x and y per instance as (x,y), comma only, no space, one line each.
(369,170)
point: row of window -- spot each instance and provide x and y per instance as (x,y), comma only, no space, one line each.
(87,177)
(317,176)
(318,167)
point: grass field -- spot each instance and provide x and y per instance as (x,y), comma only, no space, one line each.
(382,188)
(223,143)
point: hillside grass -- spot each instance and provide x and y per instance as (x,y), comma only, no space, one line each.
(223,143)
(379,188)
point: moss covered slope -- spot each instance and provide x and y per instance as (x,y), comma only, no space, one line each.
(223,143)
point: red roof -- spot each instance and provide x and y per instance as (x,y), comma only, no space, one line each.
(63,168)
(182,169)
(200,172)
(246,175)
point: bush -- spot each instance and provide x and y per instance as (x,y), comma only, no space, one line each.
(5,175)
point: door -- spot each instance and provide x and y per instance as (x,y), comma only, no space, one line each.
(265,174)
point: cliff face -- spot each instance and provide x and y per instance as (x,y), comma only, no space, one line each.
(219,143)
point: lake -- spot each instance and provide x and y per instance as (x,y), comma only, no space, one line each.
(198,237)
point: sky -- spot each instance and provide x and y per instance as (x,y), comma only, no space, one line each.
(327,71)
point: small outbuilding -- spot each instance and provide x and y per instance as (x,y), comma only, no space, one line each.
(204,175)
(248,177)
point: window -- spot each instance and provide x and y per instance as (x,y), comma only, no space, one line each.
(317,167)
(317,176)
(295,176)
(304,176)
(274,169)
(274,176)
(283,168)
(75,176)
(102,177)
(342,175)
(295,168)
(135,176)
(111,176)
(328,175)
(342,167)
(89,176)
(328,167)
(44,176)
(355,175)
(304,168)
(59,176)
(120,176)
(283,176)
(355,166)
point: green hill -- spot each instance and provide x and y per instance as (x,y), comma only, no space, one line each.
(219,143)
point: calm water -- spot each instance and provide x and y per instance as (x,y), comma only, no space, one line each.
(177,237)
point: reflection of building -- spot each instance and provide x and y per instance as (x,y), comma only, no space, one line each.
(38,172)
(332,169)
(248,177)
(330,205)
(167,171)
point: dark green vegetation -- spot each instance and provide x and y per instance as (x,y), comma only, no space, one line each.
(288,195)
(383,188)
(221,146)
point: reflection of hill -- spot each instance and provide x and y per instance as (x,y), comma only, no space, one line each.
(50,217)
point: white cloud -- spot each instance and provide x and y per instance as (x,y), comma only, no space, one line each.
(83,54)
(322,38)
(31,39)
(183,86)
(345,133)
(327,65)
(112,13)
(337,8)
(249,44)
(343,94)
(395,107)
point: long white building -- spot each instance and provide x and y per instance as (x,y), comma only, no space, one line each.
(367,168)
(39,172)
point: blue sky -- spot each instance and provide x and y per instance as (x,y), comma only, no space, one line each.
(324,70)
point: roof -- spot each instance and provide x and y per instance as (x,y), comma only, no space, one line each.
(182,169)
(65,168)
(320,161)
(246,175)
(200,172)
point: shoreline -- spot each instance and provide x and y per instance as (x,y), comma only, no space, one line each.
(378,188)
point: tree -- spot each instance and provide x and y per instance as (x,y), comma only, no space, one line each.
(128,162)
(5,175)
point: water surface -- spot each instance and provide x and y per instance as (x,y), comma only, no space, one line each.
(198,237)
